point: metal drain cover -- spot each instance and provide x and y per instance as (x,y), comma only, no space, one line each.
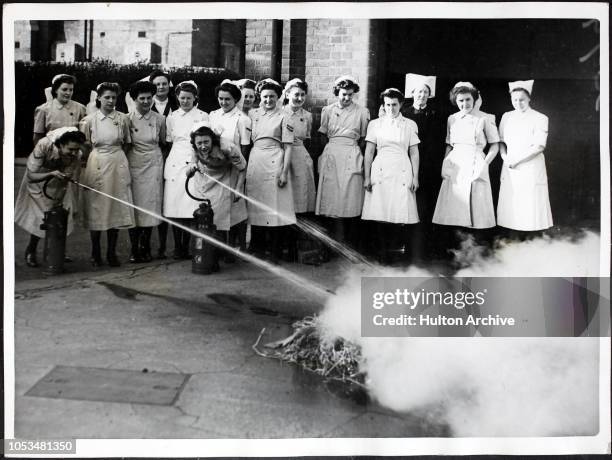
(112,385)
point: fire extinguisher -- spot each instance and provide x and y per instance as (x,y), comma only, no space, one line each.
(55,225)
(205,259)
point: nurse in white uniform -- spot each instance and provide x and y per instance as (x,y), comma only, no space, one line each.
(392,178)
(179,124)
(465,199)
(234,127)
(523,203)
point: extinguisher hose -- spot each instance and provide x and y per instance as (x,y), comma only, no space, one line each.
(46,184)
(189,192)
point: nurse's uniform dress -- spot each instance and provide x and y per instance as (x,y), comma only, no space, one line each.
(177,204)
(302,172)
(391,199)
(220,197)
(270,131)
(108,171)
(233,127)
(465,200)
(53,115)
(31,203)
(147,164)
(341,191)
(523,195)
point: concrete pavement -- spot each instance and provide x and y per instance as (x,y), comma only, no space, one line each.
(159,317)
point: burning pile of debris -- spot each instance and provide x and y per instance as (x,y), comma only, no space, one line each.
(312,349)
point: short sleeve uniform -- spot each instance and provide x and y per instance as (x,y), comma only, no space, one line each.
(391,199)
(147,164)
(234,127)
(523,195)
(179,124)
(108,171)
(31,202)
(465,199)
(270,130)
(302,171)
(53,115)
(340,192)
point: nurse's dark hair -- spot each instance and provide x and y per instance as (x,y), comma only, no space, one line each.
(141,87)
(232,89)
(159,73)
(462,90)
(107,86)
(189,88)
(393,94)
(70,136)
(58,82)
(263,85)
(204,131)
(523,90)
(345,84)
(248,84)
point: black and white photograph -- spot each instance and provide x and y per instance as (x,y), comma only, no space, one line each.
(292,229)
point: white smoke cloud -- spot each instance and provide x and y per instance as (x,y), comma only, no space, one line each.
(486,386)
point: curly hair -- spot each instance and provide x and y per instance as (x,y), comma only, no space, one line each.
(59,81)
(142,87)
(263,85)
(230,88)
(204,131)
(70,136)
(345,84)
(523,90)
(188,87)
(462,90)
(393,94)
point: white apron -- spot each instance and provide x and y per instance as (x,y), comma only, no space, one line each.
(227,125)
(108,171)
(177,203)
(465,201)
(523,195)
(340,191)
(265,161)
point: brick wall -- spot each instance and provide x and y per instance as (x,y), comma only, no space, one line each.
(258,48)
(335,47)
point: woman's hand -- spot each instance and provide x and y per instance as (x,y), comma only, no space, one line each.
(415,184)
(59,175)
(479,173)
(190,171)
(367,184)
(282,179)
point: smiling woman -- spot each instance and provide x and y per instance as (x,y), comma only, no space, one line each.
(107,131)
(148,131)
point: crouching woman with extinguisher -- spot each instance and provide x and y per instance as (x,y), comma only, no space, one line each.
(212,177)
(56,156)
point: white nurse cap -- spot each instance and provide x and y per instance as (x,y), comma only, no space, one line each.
(188,82)
(345,78)
(467,84)
(527,85)
(59,132)
(416,81)
(201,124)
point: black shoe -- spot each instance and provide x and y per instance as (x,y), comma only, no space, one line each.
(177,255)
(30,259)
(96,261)
(113,261)
(146,257)
(68,259)
(161,255)
(134,259)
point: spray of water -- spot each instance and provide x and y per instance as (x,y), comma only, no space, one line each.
(306,226)
(303,283)
(486,386)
